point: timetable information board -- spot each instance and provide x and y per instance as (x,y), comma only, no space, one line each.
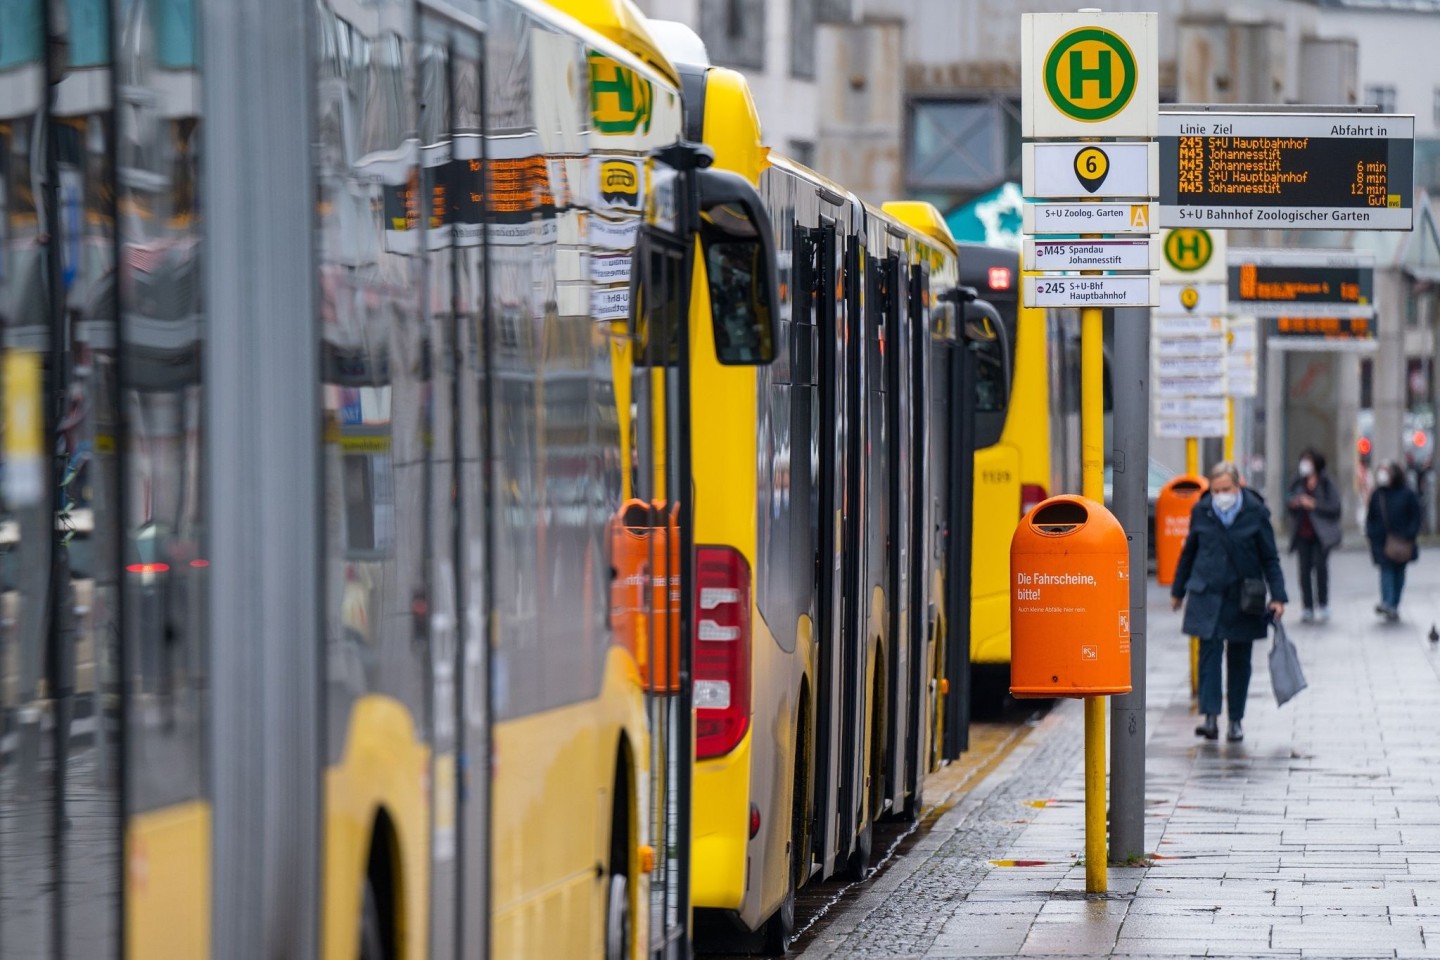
(1302,283)
(1351,171)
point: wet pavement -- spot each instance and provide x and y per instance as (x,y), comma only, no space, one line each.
(1318,835)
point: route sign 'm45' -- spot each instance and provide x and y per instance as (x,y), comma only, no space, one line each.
(1089,74)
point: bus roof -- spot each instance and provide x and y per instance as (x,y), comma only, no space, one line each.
(621,22)
(923,217)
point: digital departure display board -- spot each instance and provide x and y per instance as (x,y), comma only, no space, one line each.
(1302,283)
(1260,171)
(1331,328)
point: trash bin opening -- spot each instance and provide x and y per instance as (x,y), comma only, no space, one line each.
(1060,517)
(1186,486)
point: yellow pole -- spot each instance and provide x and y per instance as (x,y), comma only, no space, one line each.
(1192,467)
(1230,429)
(1092,474)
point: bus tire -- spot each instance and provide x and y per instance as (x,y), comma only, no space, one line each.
(617,918)
(372,941)
(859,863)
(780,928)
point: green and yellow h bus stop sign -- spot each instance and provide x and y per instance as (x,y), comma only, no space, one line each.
(1089,75)
(1192,255)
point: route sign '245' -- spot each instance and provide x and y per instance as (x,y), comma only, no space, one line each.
(1084,80)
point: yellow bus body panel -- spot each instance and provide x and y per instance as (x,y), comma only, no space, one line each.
(996,512)
(385,766)
(167,883)
(1027,426)
(721,829)
(550,819)
(1021,457)
(724,457)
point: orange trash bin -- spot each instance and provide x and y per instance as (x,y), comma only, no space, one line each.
(1172,522)
(1069,602)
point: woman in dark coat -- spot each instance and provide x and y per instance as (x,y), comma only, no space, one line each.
(1394,510)
(1314,503)
(1230,540)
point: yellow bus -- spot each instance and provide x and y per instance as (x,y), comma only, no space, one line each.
(322,633)
(816,665)
(1012,463)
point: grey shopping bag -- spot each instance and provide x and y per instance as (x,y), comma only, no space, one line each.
(1286,677)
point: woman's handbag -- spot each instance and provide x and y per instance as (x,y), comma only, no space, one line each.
(1397,549)
(1286,677)
(1252,596)
(1252,589)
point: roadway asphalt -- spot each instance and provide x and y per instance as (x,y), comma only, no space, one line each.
(1318,835)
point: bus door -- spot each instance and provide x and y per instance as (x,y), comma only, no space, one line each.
(923,539)
(661,269)
(900,551)
(851,658)
(830,556)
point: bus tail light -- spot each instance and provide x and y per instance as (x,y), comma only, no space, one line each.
(1030,495)
(722,650)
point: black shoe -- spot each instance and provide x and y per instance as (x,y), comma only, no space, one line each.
(1235,734)
(1381,609)
(1210,729)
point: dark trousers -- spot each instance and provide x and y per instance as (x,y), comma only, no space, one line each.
(1314,559)
(1392,582)
(1237,666)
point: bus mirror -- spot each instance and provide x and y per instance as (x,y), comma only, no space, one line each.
(979,320)
(739,251)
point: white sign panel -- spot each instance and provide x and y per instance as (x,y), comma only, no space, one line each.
(1063,171)
(1179,427)
(1112,291)
(1102,217)
(1191,366)
(1192,299)
(1166,347)
(1189,407)
(1171,386)
(1090,255)
(1240,360)
(1185,326)
(1089,74)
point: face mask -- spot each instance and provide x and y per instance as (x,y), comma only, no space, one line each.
(1224,501)
(1306,468)
(1383,477)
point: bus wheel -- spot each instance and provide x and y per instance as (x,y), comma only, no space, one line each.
(859,863)
(372,942)
(619,935)
(780,928)
(617,919)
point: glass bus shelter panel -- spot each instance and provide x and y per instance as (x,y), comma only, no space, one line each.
(59,680)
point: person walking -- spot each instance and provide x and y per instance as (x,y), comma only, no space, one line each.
(1228,561)
(1392,522)
(1315,510)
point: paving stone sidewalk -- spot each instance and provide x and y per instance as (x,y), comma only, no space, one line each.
(1318,835)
